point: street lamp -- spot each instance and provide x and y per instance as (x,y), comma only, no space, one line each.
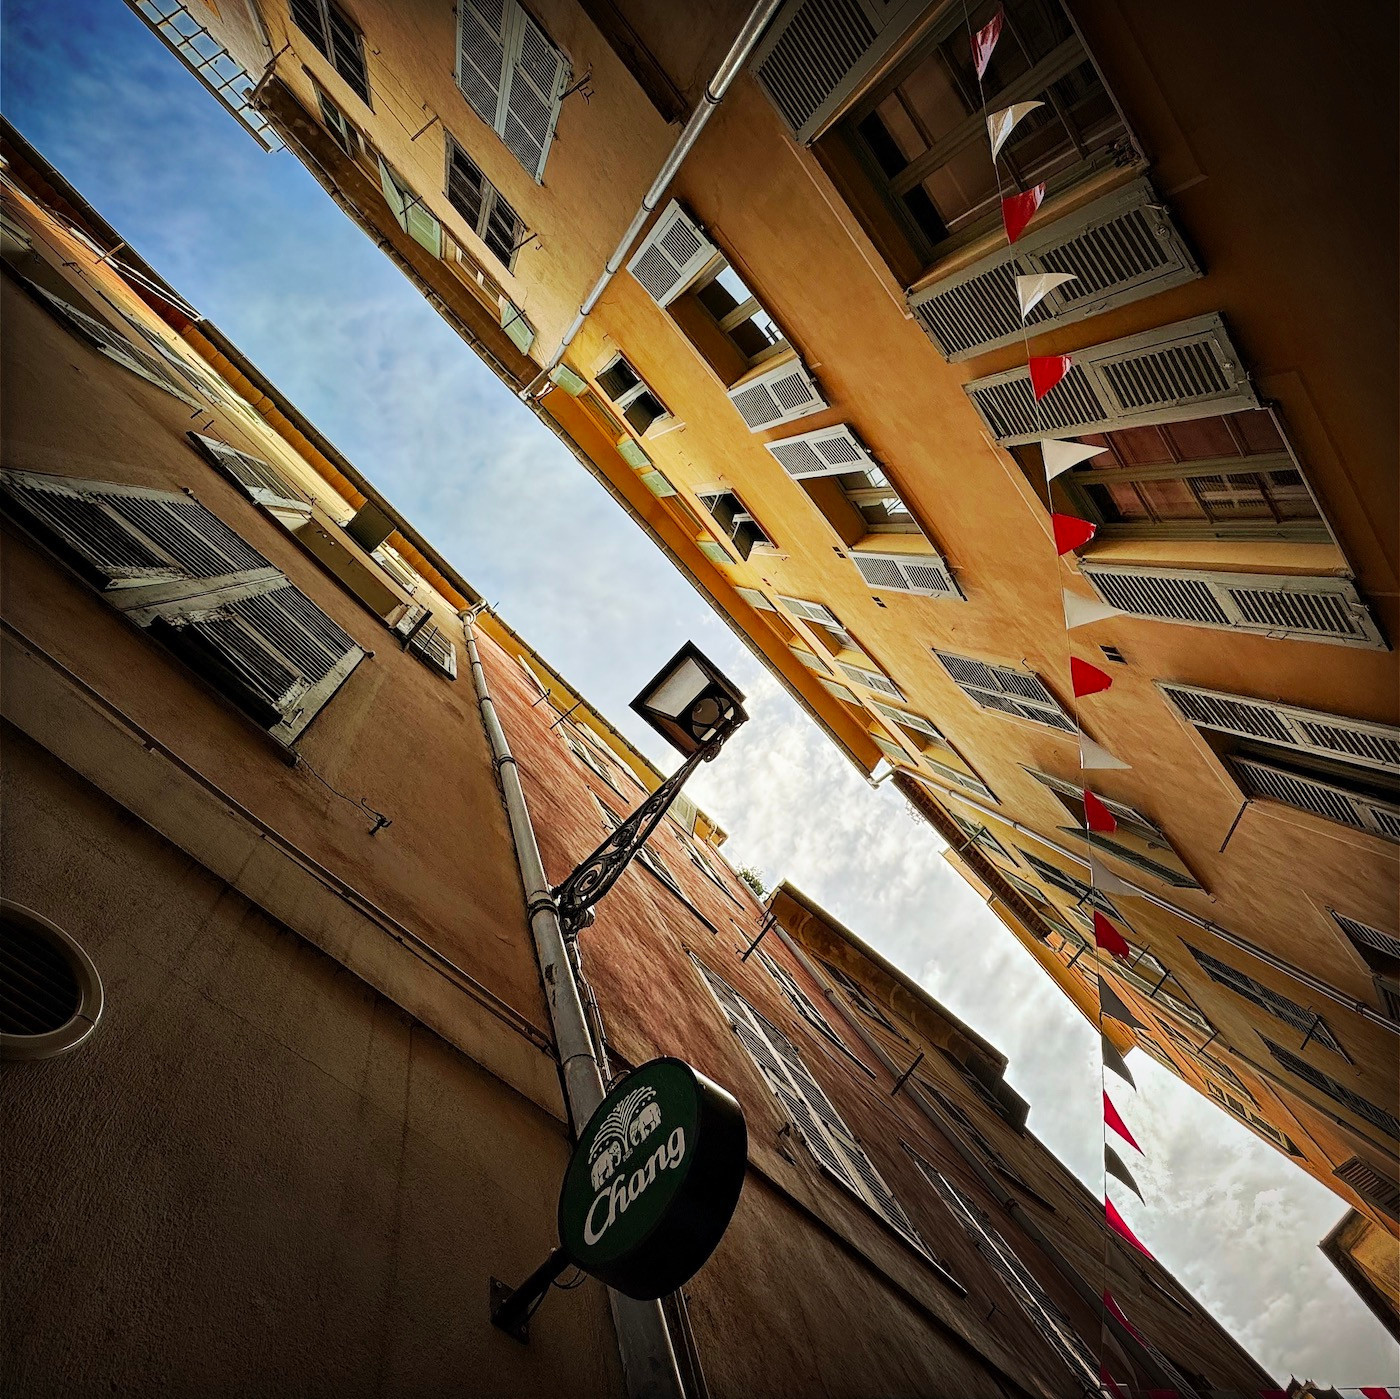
(695,708)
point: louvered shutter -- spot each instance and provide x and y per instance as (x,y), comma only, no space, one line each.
(434,649)
(671,256)
(838,691)
(409,211)
(1119,248)
(259,481)
(871,679)
(1305,609)
(481,54)
(907,720)
(925,574)
(1005,690)
(756,599)
(1265,997)
(1322,798)
(810,660)
(811,612)
(1386,943)
(778,395)
(1377,1189)
(1181,371)
(816,52)
(892,750)
(1338,1092)
(1307,730)
(827,451)
(534,81)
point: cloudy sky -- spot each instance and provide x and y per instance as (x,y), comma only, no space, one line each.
(256,245)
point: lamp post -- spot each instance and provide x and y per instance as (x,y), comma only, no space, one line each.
(695,708)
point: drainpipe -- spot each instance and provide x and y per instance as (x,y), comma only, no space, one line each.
(725,74)
(648,1360)
(978,1167)
(1270,959)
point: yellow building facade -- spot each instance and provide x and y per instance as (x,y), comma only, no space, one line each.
(804,374)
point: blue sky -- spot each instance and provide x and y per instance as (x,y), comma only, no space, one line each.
(255,244)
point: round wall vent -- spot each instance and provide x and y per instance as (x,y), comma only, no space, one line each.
(50,993)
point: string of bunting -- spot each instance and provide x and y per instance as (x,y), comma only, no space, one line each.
(1046,373)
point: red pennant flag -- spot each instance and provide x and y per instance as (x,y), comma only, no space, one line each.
(1109,1383)
(1046,372)
(1111,1302)
(1086,679)
(1070,531)
(1098,816)
(1110,1115)
(984,41)
(1018,210)
(1109,938)
(1119,1225)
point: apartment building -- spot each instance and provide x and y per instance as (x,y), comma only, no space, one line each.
(281,1091)
(805,376)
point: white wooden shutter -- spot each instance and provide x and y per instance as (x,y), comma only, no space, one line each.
(1358,741)
(816,52)
(756,599)
(838,691)
(534,80)
(905,719)
(812,612)
(671,256)
(925,574)
(435,649)
(778,395)
(871,679)
(1119,248)
(826,451)
(259,481)
(1306,609)
(1187,370)
(1322,798)
(892,750)
(1006,690)
(481,54)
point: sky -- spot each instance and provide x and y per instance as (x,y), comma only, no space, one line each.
(257,246)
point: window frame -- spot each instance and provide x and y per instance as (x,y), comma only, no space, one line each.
(324,42)
(491,200)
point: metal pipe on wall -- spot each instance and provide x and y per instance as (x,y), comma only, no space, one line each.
(643,1338)
(725,74)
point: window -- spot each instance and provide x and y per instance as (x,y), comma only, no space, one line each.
(1263,1126)
(822,619)
(1048,911)
(980,836)
(261,483)
(478,201)
(50,992)
(1376,1189)
(1381,953)
(861,998)
(803,1003)
(1338,768)
(595,765)
(1060,879)
(512,76)
(181,574)
(336,39)
(409,211)
(342,133)
(919,137)
(1338,1092)
(822,1128)
(1006,690)
(734,521)
(630,395)
(646,856)
(1047,1318)
(935,751)
(738,316)
(435,649)
(702,863)
(1272,1001)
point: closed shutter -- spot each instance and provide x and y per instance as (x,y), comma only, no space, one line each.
(816,52)
(1005,690)
(1119,248)
(822,1128)
(178,571)
(778,395)
(259,481)
(1266,998)
(925,574)
(1373,1187)
(1305,609)
(336,40)
(958,778)
(827,451)
(512,76)
(1386,943)
(1338,1092)
(671,256)
(811,612)
(1307,730)
(1328,799)
(1186,370)
(871,679)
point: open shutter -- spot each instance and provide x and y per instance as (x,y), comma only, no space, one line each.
(671,256)
(435,649)
(1382,1191)
(1119,248)
(259,481)
(1308,793)
(756,599)
(409,211)
(817,51)
(535,77)
(481,54)
(925,574)
(778,395)
(1307,730)
(827,451)
(1005,690)
(871,679)
(1181,371)
(1305,609)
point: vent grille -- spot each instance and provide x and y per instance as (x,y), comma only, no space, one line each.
(1158,376)
(1303,609)
(39,992)
(1120,248)
(1371,1185)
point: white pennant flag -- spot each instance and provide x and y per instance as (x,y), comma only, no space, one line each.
(1093,758)
(1104,880)
(1059,454)
(1032,290)
(1001,124)
(1080,611)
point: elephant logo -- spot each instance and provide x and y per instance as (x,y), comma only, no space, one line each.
(629,1124)
(643,1125)
(605,1163)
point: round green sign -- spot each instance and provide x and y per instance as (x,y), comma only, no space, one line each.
(654,1179)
